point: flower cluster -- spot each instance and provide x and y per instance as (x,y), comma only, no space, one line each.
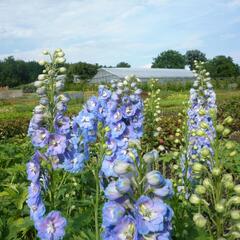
(135,208)
(201,117)
(216,196)
(49,130)
(152,114)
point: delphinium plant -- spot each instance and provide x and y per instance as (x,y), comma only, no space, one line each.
(201,116)
(152,114)
(134,208)
(48,129)
(215,196)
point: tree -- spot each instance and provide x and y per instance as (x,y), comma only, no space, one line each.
(222,66)
(82,69)
(123,65)
(169,59)
(192,55)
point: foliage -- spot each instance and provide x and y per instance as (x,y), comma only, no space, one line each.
(83,70)
(192,55)
(17,72)
(169,59)
(222,66)
(123,65)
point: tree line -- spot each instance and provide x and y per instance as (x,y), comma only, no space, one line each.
(18,72)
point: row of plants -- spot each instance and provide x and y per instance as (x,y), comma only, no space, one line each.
(96,175)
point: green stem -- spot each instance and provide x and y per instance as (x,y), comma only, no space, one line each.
(96,206)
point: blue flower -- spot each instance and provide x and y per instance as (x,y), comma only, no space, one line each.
(111,191)
(112,213)
(40,137)
(62,124)
(123,185)
(152,215)
(124,230)
(33,168)
(57,144)
(155,178)
(164,192)
(52,227)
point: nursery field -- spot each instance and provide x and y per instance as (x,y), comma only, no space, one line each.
(16,150)
(120,163)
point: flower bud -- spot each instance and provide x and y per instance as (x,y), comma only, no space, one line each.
(122,168)
(202,112)
(155,178)
(228,120)
(235,235)
(150,157)
(226,132)
(194,199)
(227,178)
(204,125)
(219,208)
(62,69)
(207,183)
(41,77)
(38,84)
(45,52)
(60,60)
(233,153)
(230,145)
(235,200)
(205,152)
(123,185)
(200,189)
(197,167)
(219,128)
(235,214)
(237,189)
(200,133)
(41,62)
(216,171)
(199,220)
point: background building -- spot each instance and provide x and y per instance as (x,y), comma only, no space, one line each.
(144,74)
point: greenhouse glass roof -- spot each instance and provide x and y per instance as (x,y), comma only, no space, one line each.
(150,72)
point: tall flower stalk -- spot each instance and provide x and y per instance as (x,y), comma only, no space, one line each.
(200,123)
(48,130)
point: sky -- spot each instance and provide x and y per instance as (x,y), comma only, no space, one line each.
(110,31)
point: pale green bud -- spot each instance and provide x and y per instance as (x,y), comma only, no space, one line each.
(233,153)
(205,152)
(204,125)
(235,200)
(227,178)
(200,189)
(228,120)
(194,199)
(62,69)
(235,214)
(230,145)
(216,171)
(235,235)
(219,128)
(199,220)
(41,62)
(202,112)
(197,167)
(237,189)
(41,77)
(219,208)
(226,132)
(200,133)
(45,52)
(207,183)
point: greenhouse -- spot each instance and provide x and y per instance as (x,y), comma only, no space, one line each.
(144,74)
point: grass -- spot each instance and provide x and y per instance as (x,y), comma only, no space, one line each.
(172,102)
